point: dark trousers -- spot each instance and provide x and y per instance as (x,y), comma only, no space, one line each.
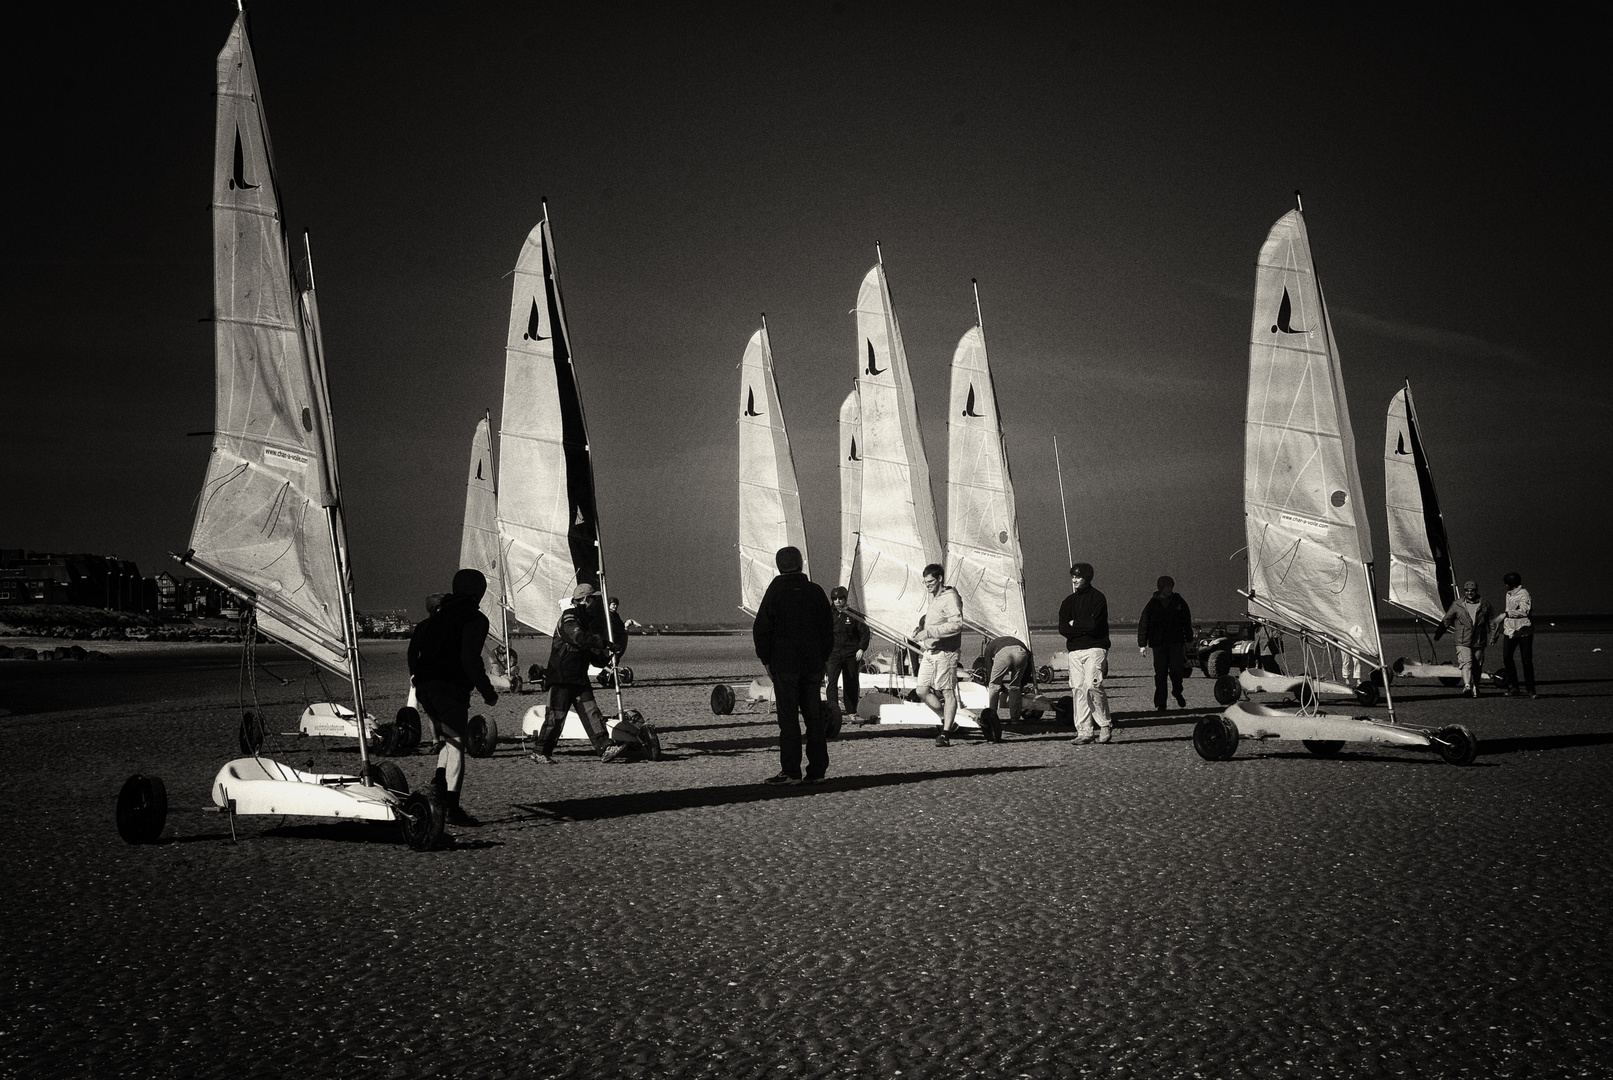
(1168,660)
(797,696)
(561,699)
(842,668)
(1524,646)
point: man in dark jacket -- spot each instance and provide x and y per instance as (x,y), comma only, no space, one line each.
(1166,626)
(793,633)
(1084,622)
(578,641)
(851,638)
(445,659)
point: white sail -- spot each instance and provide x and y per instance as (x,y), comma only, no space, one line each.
(546,501)
(983,557)
(1308,543)
(851,482)
(478,541)
(267,522)
(897,536)
(1421,579)
(769,501)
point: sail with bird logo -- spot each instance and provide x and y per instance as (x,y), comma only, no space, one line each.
(897,534)
(1421,579)
(769,501)
(1309,547)
(851,482)
(983,556)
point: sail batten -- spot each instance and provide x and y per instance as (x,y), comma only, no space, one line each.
(1309,547)
(769,497)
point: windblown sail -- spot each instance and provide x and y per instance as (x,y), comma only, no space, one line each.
(1421,579)
(1310,551)
(546,504)
(769,501)
(478,541)
(897,537)
(983,558)
(267,520)
(851,483)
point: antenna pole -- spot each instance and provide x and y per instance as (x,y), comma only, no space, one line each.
(1068,553)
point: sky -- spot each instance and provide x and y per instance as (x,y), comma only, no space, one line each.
(1108,176)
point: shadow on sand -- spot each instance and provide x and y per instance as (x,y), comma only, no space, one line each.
(654,802)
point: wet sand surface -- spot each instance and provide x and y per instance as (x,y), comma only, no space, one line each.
(1026,909)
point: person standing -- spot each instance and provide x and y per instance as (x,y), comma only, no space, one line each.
(793,635)
(1472,622)
(445,661)
(1519,634)
(851,638)
(940,636)
(1166,626)
(578,641)
(1084,622)
(1009,663)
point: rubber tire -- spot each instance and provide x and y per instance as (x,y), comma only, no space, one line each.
(387,775)
(1044,673)
(1324,747)
(251,733)
(722,699)
(626,674)
(1215,738)
(1456,744)
(1228,689)
(408,723)
(482,738)
(142,809)
(1217,664)
(421,819)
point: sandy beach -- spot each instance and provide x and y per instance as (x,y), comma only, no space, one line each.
(1024,909)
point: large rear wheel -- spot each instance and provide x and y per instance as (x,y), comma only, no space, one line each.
(1215,738)
(1228,689)
(1324,747)
(420,819)
(1456,744)
(483,738)
(722,699)
(142,809)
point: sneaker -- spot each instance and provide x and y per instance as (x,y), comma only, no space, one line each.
(1105,734)
(782,778)
(942,740)
(614,752)
(1181,702)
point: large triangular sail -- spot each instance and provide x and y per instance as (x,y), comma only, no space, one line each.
(851,483)
(769,501)
(268,521)
(1421,579)
(897,535)
(478,540)
(546,508)
(1310,552)
(984,562)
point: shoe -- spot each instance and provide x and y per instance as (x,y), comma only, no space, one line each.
(782,778)
(1105,734)
(614,752)
(459,816)
(1082,740)
(1181,702)
(942,740)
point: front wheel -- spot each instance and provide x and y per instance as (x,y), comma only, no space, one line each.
(1324,747)
(1215,738)
(142,809)
(1456,744)
(483,736)
(421,818)
(1228,689)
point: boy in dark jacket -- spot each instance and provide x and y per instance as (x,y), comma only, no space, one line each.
(793,634)
(1166,626)
(445,659)
(1084,622)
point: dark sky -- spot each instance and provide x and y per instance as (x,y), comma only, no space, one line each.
(1108,177)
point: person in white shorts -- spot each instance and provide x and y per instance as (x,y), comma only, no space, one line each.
(940,635)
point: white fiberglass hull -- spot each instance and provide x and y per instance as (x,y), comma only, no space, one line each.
(257,785)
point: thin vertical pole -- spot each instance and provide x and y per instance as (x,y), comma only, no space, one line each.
(1068,553)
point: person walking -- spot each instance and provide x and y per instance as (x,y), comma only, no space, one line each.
(1084,622)
(793,635)
(1009,664)
(1166,626)
(1519,636)
(445,661)
(1471,621)
(851,638)
(940,636)
(578,641)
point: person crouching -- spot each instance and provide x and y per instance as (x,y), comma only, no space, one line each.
(445,660)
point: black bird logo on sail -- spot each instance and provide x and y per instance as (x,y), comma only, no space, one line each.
(1285,313)
(750,402)
(969,406)
(853,455)
(873,366)
(533,321)
(238,181)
